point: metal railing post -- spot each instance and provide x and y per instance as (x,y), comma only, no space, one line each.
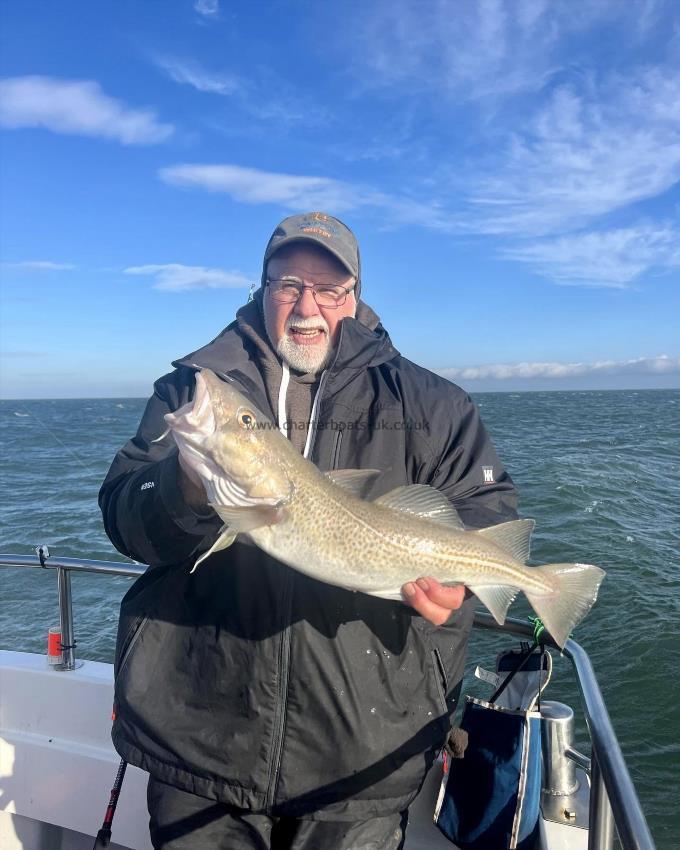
(66,620)
(601,818)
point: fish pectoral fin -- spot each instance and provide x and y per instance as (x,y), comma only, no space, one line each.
(513,536)
(237,520)
(225,539)
(355,481)
(422,501)
(496,597)
(246,519)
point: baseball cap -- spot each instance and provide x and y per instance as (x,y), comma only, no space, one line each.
(321,229)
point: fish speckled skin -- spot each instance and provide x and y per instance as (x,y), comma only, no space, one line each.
(371,547)
(318,523)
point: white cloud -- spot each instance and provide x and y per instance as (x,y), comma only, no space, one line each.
(302,192)
(469,49)
(208,8)
(518,123)
(252,186)
(253,96)
(585,154)
(192,74)
(613,257)
(76,107)
(661,365)
(39,265)
(603,258)
(175,277)
(599,142)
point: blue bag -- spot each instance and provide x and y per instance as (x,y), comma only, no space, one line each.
(490,798)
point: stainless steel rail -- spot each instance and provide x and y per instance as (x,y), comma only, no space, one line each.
(613,800)
(64,567)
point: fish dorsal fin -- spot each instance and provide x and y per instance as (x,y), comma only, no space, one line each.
(513,536)
(423,501)
(355,481)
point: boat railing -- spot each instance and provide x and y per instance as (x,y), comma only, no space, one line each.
(614,804)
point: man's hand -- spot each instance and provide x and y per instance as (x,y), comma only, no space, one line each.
(433,600)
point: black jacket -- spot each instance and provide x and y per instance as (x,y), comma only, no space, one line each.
(252,684)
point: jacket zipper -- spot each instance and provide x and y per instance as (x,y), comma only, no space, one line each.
(336,450)
(284,648)
(280,717)
(440,679)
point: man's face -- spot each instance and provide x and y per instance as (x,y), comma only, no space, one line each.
(303,333)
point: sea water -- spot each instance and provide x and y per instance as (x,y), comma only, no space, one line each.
(599,471)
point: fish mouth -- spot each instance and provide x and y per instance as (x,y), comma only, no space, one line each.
(191,425)
(195,420)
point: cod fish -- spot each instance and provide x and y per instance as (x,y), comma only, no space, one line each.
(319,523)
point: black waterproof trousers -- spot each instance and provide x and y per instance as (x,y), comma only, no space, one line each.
(183,821)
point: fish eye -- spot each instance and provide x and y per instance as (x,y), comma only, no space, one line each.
(246,418)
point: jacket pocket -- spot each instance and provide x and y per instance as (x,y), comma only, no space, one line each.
(439,674)
(131,640)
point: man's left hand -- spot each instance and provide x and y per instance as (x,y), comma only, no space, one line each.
(433,600)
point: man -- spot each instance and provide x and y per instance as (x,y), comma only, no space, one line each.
(272,710)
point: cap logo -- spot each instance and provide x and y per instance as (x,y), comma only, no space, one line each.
(318,231)
(318,224)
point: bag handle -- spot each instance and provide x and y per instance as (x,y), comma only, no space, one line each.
(513,673)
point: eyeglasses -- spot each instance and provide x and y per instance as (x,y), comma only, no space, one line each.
(289,289)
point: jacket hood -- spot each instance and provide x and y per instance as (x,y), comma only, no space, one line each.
(362,342)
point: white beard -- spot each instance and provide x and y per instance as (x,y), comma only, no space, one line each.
(304,358)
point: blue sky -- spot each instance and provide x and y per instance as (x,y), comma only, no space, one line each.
(510,169)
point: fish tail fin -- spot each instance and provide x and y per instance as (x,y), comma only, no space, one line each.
(575,591)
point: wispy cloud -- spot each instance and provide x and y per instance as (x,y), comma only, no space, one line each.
(253,186)
(584,154)
(566,138)
(471,49)
(193,74)
(207,8)
(76,107)
(253,95)
(175,277)
(603,258)
(661,365)
(607,257)
(298,192)
(38,265)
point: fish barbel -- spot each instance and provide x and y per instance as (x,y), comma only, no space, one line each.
(318,523)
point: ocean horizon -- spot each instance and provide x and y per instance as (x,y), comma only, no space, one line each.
(472,391)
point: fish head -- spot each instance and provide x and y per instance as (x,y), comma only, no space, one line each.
(230,445)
